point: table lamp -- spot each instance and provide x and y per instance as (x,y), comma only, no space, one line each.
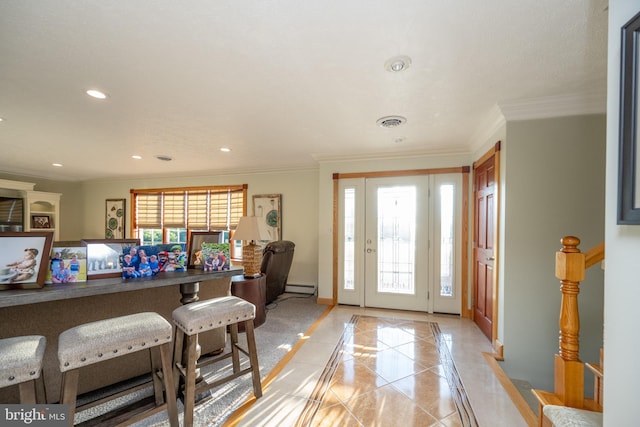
(249,229)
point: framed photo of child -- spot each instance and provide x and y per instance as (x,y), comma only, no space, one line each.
(24,259)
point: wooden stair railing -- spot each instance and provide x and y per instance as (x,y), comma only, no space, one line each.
(571,264)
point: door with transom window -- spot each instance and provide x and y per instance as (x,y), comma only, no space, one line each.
(398,243)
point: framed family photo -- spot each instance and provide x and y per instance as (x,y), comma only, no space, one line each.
(195,240)
(67,263)
(24,259)
(104,256)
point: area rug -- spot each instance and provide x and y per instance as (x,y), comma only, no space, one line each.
(288,317)
(346,350)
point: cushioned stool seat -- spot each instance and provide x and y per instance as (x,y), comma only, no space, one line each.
(107,339)
(21,363)
(195,318)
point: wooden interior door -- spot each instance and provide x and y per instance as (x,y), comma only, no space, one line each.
(483,245)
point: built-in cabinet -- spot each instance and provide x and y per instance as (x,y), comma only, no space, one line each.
(41,210)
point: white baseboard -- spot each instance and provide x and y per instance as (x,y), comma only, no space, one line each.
(300,289)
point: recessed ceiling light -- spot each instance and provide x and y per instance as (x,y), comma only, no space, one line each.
(391,121)
(135,156)
(397,63)
(1,119)
(58,165)
(96,94)
(225,149)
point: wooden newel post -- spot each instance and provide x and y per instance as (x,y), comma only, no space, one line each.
(569,371)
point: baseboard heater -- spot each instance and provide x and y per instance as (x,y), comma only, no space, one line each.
(300,289)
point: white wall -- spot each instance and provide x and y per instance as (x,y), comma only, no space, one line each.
(299,208)
(554,175)
(622,274)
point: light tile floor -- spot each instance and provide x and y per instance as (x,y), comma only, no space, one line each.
(388,374)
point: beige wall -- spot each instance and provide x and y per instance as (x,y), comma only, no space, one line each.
(299,207)
(553,187)
(82,207)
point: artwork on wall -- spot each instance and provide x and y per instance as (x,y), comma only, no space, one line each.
(24,259)
(629,155)
(115,219)
(267,208)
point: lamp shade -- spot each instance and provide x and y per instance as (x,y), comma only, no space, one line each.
(249,228)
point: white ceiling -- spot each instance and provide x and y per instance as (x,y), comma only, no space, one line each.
(283,83)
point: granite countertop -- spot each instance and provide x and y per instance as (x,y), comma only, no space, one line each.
(93,287)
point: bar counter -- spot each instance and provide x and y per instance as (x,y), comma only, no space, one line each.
(53,309)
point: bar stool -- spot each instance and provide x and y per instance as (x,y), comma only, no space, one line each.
(102,340)
(195,318)
(21,363)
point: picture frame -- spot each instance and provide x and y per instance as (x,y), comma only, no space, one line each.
(104,256)
(67,263)
(268,208)
(40,221)
(115,219)
(24,259)
(195,239)
(629,155)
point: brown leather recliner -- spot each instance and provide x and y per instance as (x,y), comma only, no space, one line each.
(277,257)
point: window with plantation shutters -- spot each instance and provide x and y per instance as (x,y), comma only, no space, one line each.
(148,209)
(173,212)
(198,210)
(193,208)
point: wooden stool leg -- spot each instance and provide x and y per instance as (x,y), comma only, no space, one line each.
(70,391)
(169,387)
(155,356)
(28,392)
(190,380)
(177,360)
(235,354)
(253,357)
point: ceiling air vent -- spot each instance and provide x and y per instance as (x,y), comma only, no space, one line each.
(164,158)
(391,121)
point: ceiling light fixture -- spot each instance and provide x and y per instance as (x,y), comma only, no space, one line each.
(397,64)
(96,94)
(225,149)
(391,121)
(58,165)
(135,156)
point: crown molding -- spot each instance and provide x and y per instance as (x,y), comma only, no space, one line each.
(555,106)
(489,126)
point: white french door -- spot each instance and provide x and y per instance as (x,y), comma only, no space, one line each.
(398,245)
